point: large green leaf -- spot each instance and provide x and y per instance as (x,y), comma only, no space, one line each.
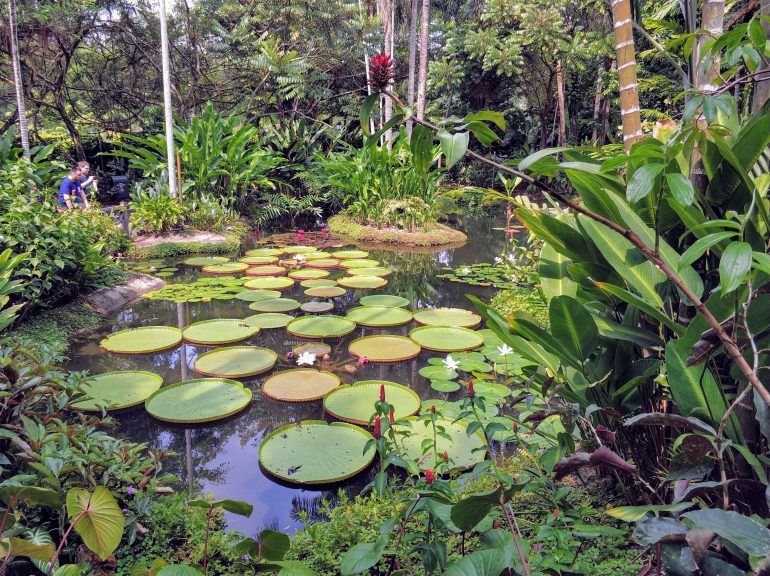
(561,236)
(480,563)
(642,182)
(453,146)
(273,545)
(741,531)
(471,510)
(464,451)
(97,519)
(553,273)
(614,331)
(641,305)
(18,547)
(117,390)
(363,556)
(34,495)
(573,326)
(634,513)
(200,400)
(734,265)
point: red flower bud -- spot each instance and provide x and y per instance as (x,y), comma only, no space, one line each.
(382,392)
(555,512)
(381,71)
(446,456)
(432,409)
(392,417)
(471,391)
(515,427)
(430,476)
(377,428)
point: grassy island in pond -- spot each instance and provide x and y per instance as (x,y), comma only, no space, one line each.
(431,234)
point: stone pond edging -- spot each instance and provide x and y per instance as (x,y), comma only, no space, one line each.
(107,300)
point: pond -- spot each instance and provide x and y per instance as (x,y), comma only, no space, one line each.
(221,458)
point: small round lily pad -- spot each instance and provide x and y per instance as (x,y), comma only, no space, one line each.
(355,404)
(446,338)
(324,263)
(201,261)
(117,390)
(308,274)
(320,327)
(235,362)
(350,254)
(379,316)
(446,386)
(219,331)
(300,385)
(257,295)
(266,270)
(144,340)
(275,305)
(269,320)
(370,271)
(447,317)
(316,307)
(384,348)
(362,282)
(463,451)
(195,401)
(225,268)
(384,300)
(269,283)
(325,292)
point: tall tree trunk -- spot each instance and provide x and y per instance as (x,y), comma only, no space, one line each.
(386,15)
(58,105)
(605,117)
(366,59)
(560,103)
(413,15)
(422,73)
(597,101)
(762,88)
(712,22)
(626,57)
(17,79)
(169,117)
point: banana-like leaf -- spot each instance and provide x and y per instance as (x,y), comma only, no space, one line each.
(615,331)
(641,305)
(561,236)
(554,277)
(573,327)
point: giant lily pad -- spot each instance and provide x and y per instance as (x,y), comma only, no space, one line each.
(117,390)
(259,260)
(202,400)
(446,338)
(300,385)
(350,254)
(235,362)
(316,307)
(308,274)
(325,291)
(384,348)
(451,410)
(315,255)
(370,271)
(219,331)
(201,261)
(269,283)
(324,282)
(258,295)
(359,263)
(355,404)
(320,326)
(316,452)
(264,252)
(144,340)
(269,320)
(225,268)
(324,263)
(463,451)
(275,305)
(385,300)
(266,270)
(299,249)
(362,282)
(447,317)
(378,316)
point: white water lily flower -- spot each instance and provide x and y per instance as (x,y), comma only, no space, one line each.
(505,350)
(306,358)
(299,257)
(450,363)
(465,271)
(498,260)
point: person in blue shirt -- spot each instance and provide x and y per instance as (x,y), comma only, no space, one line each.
(71,189)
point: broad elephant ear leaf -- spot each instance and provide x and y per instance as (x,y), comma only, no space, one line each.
(97,519)
(573,326)
(19,547)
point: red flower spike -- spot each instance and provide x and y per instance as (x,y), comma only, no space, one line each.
(430,476)
(446,456)
(377,428)
(432,409)
(471,391)
(555,512)
(381,71)
(392,417)
(382,392)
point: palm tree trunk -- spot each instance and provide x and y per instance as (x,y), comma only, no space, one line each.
(560,103)
(712,22)
(386,14)
(17,80)
(762,88)
(413,58)
(422,73)
(597,101)
(626,58)
(169,118)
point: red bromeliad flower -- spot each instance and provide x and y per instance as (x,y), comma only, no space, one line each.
(377,428)
(430,476)
(471,391)
(392,416)
(382,392)
(381,71)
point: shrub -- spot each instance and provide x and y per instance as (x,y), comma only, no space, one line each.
(155,212)
(210,213)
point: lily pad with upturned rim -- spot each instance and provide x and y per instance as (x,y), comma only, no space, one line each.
(447,317)
(323,282)
(446,338)
(197,401)
(225,268)
(359,263)
(324,263)
(380,271)
(269,283)
(464,451)
(266,270)
(350,254)
(384,348)
(275,305)
(315,255)
(235,362)
(362,282)
(355,403)
(257,295)
(264,252)
(118,390)
(219,331)
(316,452)
(259,260)
(379,316)
(269,320)
(201,261)
(320,327)
(325,292)
(300,385)
(144,340)
(309,274)
(299,249)
(384,300)
(316,307)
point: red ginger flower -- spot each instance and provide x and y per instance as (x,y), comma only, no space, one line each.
(382,392)
(555,512)
(471,391)
(430,476)
(432,409)
(381,71)
(377,428)
(392,416)
(446,456)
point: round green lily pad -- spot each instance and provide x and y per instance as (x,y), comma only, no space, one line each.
(266,270)
(235,362)
(258,295)
(384,348)
(300,385)
(264,252)
(384,300)
(324,263)
(359,263)
(308,274)
(370,271)
(325,292)
(320,326)
(164,274)
(269,283)
(444,386)
(378,316)
(318,283)
(315,255)
(201,261)
(439,372)
(350,254)
(316,307)
(259,260)
(447,317)
(464,451)
(452,410)
(362,282)
(269,320)
(316,452)
(299,249)
(118,390)
(355,404)
(225,268)
(275,305)
(202,400)
(446,338)
(219,331)
(144,340)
